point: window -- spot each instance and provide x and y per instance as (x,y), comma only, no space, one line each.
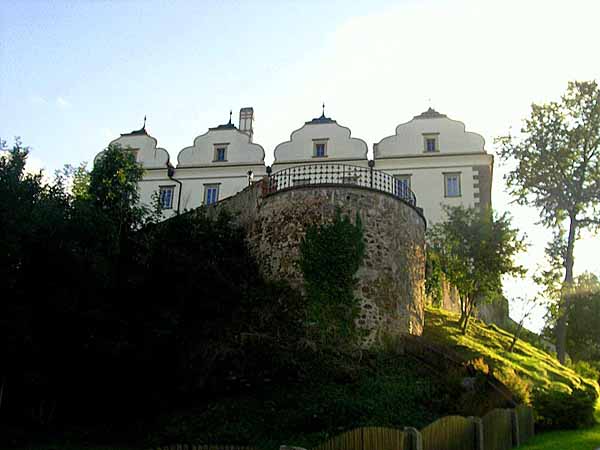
(430,143)
(452,184)
(220,152)
(211,194)
(320,149)
(402,185)
(165,194)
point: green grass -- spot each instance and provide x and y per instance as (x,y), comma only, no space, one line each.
(491,342)
(588,439)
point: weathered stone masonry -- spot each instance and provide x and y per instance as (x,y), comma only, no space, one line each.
(391,280)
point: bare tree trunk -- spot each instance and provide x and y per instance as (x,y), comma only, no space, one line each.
(565,295)
(516,336)
(466,314)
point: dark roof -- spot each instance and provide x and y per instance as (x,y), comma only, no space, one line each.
(141,131)
(318,120)
(226,126)
(430,114)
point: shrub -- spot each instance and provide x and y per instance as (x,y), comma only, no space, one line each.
(587,370)
(559,409)
(520,388)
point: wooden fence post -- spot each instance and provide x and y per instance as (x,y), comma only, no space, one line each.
(478,427)
(416,440)
(514,420)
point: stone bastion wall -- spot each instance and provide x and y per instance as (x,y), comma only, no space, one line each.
(391,281)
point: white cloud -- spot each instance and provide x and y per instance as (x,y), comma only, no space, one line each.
(62,103)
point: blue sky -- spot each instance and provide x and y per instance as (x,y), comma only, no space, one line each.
(76,74)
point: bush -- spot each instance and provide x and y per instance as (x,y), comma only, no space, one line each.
(520,388)
(587,369)
(559,409)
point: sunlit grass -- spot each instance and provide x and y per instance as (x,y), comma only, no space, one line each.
(587,439)
(540,368)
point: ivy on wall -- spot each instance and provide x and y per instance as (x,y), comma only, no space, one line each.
(330,255)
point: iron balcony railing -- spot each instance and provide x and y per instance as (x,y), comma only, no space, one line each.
(324,174)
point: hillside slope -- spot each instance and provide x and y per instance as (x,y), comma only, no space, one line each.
(490,342)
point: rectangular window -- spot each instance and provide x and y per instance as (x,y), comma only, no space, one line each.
(211,194)
(220,152)
(452,184)
(402,185)
(320,149)
(166,196)
(431,143)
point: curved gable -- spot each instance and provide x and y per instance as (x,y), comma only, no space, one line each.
(238,149)
(148,154)
(451,137)
(339,143)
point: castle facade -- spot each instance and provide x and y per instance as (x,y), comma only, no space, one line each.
(431,155)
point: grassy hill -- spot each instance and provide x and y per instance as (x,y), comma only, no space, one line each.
(379,389)
(490,342)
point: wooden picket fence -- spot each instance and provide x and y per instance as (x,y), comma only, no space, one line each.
(368,437)
(499,429)
(526,423)
(449,433)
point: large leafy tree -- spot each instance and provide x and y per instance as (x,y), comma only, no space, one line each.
(475,249)
(583,324)
(557,170)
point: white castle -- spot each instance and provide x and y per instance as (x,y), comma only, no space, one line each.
(430,155)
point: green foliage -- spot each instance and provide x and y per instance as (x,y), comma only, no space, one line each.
(588,369)
(556,409)
(330,255)
(384,391)
(434,277)
(520,388)
(474,250)
(557,170)
(583,319)
(526,371)
(107,306)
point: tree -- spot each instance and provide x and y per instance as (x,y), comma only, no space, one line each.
(528,305)
(475,249)
(583,319)
(557,170)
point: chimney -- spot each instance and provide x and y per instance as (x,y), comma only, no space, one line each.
(246,119)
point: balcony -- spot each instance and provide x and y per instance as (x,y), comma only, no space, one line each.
(339,175)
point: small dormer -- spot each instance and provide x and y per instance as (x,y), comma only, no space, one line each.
(429,134)
(321,139)
(144,147)
(223,145)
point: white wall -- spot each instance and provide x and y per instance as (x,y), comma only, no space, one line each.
(457,151)
(427,180)
(340,145)
(399,154)
(408,140)
(239,149)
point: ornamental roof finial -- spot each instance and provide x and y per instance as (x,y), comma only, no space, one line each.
(230,113)
(323,113)
(144,127)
